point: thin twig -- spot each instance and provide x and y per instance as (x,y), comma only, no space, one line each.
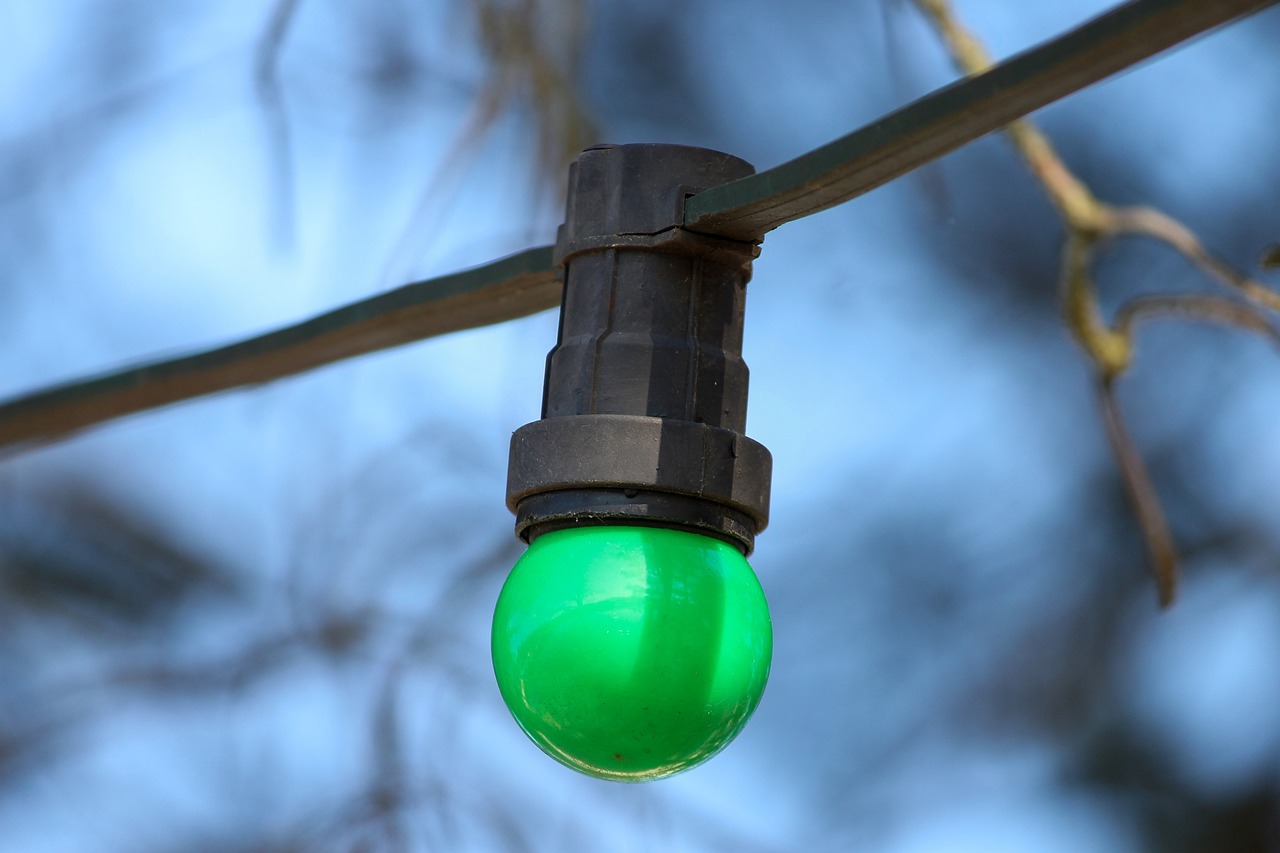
(1149,222)
(1072,198)
(533,50)
(1142,495)
(1195,306)
(267,79)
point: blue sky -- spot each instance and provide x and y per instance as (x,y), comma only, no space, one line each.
(949,558)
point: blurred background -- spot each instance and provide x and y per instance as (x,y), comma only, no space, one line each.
(259,621)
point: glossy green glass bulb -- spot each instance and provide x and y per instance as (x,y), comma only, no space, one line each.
(631,653)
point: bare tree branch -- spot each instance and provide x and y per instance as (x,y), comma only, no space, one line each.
(1090,222)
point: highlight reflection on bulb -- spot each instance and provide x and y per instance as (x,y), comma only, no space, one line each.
(631,653)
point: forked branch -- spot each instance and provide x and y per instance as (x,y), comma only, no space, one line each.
(1090,223)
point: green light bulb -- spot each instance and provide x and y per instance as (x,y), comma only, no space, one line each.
(631,653)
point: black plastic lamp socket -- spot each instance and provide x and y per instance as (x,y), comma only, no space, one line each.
(645,399)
